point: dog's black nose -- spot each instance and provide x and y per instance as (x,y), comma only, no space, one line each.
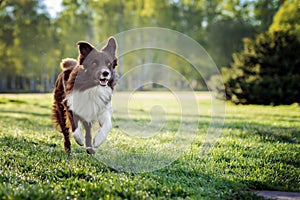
(105,73)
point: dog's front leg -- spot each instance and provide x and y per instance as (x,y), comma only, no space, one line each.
(106,125)
(77,135)
(88,137)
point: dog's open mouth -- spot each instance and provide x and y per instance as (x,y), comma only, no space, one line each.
(103,82)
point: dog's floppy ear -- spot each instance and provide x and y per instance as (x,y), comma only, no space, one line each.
(111,46)
(84,48)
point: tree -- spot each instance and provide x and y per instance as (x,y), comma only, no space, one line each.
(24,39)
(31,39)
(6,48)
(264,12)
(229,21)
(267,71)
(287,18)
(225,37)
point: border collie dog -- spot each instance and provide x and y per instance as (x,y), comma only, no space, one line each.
(82,94)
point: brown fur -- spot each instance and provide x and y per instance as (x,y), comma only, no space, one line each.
(80,75)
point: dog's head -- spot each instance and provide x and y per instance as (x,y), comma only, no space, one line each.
(98,65)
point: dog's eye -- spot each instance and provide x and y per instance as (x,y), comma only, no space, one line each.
(114,63)
(94,63)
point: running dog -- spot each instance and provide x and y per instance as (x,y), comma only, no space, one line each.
(82,94)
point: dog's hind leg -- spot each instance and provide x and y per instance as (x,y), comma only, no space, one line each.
(88,137)
(60,117)
(67,143)
(70,125)
(59,114)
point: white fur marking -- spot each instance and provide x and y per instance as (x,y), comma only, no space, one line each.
(106,125)
(99,139)
(90,103)
(78,137)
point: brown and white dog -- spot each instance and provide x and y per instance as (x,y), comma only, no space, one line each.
(82,94)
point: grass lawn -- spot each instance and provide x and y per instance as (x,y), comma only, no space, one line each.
(259,148)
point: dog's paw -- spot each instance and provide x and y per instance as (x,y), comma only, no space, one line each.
(78,137)
(98,140)
(90,150)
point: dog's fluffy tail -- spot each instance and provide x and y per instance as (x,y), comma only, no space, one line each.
(68,64)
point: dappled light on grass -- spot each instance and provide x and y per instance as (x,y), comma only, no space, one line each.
(152,130)
(258,149)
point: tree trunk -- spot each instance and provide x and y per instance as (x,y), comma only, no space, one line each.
(32,85)
(13,82)
(121,45)
(23,82)
(4,82)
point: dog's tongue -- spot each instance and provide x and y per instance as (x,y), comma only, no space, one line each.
(103,82)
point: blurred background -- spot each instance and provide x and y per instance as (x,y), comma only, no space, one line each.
(36,35)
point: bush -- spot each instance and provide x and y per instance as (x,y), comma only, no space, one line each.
(267,71)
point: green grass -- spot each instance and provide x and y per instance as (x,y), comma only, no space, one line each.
(258,149)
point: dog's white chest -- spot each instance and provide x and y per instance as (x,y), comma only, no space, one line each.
(89,104)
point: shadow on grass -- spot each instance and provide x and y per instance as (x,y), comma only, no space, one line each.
(26,121)
(33,166)
(25,113)
(266,132)
(203,185)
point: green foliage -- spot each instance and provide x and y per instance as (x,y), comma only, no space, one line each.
(267,71)
(32,43)
(287,18)
(265,11)
(27,39)
(223,37)
(258,149)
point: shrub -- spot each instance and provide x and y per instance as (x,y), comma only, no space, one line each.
(267,71)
